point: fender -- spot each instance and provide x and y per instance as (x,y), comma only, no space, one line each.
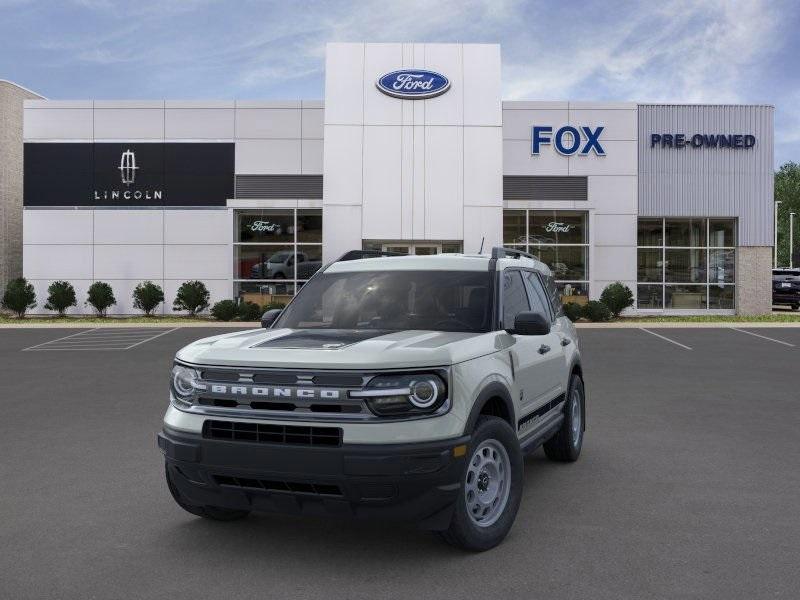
(493,390)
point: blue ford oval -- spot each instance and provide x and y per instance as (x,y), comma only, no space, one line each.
(413,84)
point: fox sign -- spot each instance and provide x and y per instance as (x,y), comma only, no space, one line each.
(568,140)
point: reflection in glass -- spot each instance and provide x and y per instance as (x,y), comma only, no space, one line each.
(685,266)
(685,296)
(263,293)
(265,262)
(649,264)
(721,266)
(685,232)
(309,226)
(513,227)
(650,232)
(558,227)
(649,296)
(309,260)
(266,226)
(721,232)
(566,262)
(721,297)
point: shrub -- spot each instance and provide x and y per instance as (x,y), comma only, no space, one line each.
(224,310)
(101,297)
(274,304)
(573,311)
(596,311)
(147,296)
(192,296)
(617,297)
(19,297)
(249,311)
(60,296)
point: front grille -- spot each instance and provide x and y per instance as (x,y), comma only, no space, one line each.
(272,434)
(293,487)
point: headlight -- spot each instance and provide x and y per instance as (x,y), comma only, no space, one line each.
(405,394)
(185,382)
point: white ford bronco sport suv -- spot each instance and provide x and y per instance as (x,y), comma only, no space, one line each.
(396,387)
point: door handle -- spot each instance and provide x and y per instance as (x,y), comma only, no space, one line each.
(544,349)
(565,341)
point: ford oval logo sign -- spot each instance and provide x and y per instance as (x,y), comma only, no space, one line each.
(413,84)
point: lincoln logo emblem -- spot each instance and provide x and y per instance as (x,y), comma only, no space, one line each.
(127,167)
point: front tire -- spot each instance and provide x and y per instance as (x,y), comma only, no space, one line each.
(215,513)
(491,489)
(566,444)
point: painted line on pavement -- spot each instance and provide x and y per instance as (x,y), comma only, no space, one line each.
(663,337)
(763,337)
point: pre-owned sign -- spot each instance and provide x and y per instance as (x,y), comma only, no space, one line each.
(128,174)
(702,140)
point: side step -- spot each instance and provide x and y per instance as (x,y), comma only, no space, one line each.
(549,426)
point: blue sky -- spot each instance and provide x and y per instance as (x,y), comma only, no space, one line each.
(665,50)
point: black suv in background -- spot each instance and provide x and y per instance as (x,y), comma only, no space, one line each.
(786,287)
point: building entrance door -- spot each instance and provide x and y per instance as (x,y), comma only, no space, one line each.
(424,248)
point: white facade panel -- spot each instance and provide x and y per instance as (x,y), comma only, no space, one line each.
(68,261)
(199,123)
(128,123)
(197,261)
(341,230)
(482,223)
(344,84)
(482,85)
(517,124)
(444,183)
(342,183)
(617,124)
(447,109)
(380,109)
(128,227)
(613,263)
(198,226)
(268,123)
(613,194)
(483,166)
(265,157)
(57,227)
(312,123)
(58,123)
(614,230)
(312,157)
(127,261)
(620,159)
(517,160)
(382,213)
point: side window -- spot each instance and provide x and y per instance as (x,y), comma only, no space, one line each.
(553,294)
(515,299)
(539,301)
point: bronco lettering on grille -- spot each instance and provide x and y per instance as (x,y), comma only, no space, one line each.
(275,392)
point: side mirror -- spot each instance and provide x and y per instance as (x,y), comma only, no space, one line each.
(531,323)
(269,317)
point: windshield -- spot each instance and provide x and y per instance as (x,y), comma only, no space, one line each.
(393,301)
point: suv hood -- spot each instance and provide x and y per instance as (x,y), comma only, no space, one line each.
(339,348)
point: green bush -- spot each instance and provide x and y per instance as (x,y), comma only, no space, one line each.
(596,311)
(147,296)
(192,296)
(274,304)
(573,311)
(60,296)
(101,297)
(19,297)
(617,297)
(249,311)
(224,310)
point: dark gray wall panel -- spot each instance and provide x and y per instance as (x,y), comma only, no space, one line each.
(724,182)
(307,187)
(544,188)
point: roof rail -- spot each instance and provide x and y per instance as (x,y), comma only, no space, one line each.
(501,252)
(359,254)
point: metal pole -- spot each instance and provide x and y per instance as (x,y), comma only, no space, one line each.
(777,202)
(791,239)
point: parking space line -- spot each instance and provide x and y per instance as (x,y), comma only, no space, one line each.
(763,337)
(57,340)
(663,337)
(152,338)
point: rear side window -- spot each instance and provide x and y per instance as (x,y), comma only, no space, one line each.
(553,294)
(538,298)
(515,298)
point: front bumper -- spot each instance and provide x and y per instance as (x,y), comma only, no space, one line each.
(416,482)
(785,297)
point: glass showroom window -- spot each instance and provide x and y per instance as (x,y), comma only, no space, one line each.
(275,252)
(686,264)
(560,239)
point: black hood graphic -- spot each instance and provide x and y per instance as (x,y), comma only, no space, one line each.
(322,338)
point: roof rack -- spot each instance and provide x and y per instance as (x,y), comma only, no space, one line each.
(359,254)
(501,252)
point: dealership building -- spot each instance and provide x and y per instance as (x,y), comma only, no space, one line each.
(412,150)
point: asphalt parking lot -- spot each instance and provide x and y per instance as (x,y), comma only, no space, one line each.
(688,486)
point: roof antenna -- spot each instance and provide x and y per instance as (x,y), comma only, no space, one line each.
(482,240)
